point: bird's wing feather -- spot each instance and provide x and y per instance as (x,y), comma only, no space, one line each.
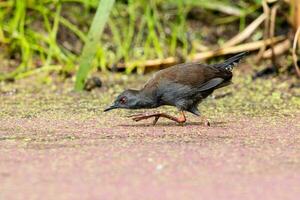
(210,84)
(192,75)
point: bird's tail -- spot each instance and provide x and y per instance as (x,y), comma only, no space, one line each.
(233,61)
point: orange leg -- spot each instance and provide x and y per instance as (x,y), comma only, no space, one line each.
(156,116)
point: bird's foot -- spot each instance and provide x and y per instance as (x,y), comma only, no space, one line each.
(135,115)
(139,117)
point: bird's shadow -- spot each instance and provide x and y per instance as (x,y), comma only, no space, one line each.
(170,124)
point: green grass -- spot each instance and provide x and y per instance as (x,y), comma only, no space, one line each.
(28,98)
(39,34)
(89,50)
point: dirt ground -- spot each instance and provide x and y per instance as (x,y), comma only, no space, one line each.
(57,144)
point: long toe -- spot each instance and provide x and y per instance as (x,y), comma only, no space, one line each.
(138,118)
(135,115)
(135,119)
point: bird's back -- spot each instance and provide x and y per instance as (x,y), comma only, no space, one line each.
(185,85)
(192,75)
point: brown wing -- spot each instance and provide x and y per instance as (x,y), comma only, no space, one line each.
(192,74)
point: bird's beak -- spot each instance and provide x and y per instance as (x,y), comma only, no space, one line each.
(110,108)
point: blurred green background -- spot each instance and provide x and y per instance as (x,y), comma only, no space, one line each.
(48,35)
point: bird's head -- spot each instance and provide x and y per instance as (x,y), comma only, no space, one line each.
(129,99)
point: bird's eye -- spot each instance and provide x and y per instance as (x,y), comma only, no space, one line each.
(123,100)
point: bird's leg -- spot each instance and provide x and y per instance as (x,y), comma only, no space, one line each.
(179,120)
(156,116)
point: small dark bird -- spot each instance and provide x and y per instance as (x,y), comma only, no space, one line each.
(183,86)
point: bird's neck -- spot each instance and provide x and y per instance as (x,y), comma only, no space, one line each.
(146,100)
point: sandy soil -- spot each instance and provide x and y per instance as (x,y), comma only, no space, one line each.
(60,145)
(241,158)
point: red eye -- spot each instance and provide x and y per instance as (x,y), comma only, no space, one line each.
(123,100)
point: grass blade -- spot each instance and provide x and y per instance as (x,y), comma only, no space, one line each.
(94,35)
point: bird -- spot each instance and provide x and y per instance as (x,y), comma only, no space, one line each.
(183,86)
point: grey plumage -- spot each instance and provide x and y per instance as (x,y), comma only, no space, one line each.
(183,86)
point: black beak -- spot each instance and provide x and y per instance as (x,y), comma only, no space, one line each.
(110,108)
